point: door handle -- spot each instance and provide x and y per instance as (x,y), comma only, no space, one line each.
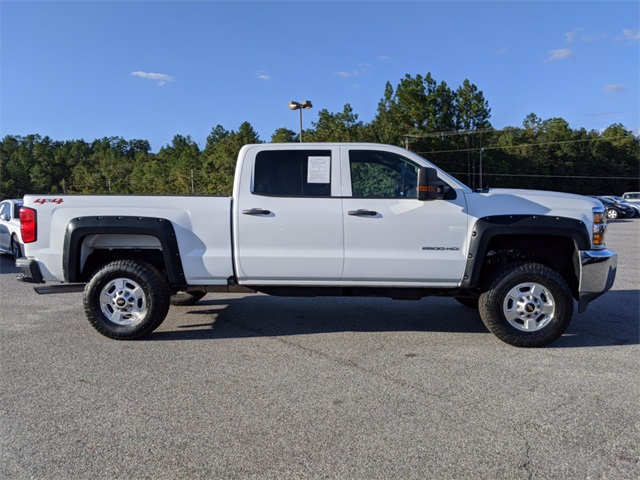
(363,213)
(256,211)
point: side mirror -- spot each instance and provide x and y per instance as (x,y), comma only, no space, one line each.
(4,217)
(427,183)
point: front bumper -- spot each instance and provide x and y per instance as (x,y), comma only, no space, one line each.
(597,273)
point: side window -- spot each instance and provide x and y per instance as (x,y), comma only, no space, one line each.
(4,209)
(16,210)
(382,175)
(293,173)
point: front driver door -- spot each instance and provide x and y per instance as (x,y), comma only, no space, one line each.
(391,238)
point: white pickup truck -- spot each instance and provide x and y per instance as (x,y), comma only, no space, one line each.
(325,219)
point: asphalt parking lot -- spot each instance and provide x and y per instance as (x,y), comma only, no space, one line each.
(265,387)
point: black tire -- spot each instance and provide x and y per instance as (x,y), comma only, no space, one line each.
(527,305)
(16,249)
(184,299)
(470,302)
(126,299)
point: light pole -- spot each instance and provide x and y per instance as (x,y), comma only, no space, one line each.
(306,105)
(481,152)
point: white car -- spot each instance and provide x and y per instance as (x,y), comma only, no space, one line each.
(10,238)
(631,197)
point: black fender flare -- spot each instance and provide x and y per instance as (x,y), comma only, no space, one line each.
(487,228)
(162,229)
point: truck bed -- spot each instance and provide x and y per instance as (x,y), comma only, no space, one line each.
(202,226)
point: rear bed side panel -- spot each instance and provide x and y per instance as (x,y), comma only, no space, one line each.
(201,225)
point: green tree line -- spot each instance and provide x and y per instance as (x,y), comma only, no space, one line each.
(450,127)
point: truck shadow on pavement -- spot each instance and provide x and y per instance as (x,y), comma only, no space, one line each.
(613,319)
(605,323)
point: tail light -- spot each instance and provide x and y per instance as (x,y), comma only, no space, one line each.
(28,226)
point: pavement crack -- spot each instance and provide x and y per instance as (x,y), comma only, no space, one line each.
(344,362)
(527,464)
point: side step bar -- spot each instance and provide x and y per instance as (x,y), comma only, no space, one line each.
(79,287)
(67,288)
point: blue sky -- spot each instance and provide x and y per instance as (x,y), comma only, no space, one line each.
(154,69)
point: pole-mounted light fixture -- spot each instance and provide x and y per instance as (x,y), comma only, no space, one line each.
(304,105)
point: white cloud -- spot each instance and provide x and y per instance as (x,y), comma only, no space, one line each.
(614,87)
(593,38)
(570,36)
(353,73)
(262,75)
(559,54)
(383,58)
(161,78)
(631,34)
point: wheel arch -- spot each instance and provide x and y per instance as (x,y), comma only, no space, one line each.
(552,241)
(119,237)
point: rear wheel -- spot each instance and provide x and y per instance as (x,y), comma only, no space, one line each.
(126,299)
(527,305)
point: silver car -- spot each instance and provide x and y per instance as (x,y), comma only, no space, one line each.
(631,197)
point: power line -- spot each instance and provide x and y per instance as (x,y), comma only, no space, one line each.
(451,133)
(521,145)
(546,176)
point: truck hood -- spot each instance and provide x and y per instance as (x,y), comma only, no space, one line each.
(501,201)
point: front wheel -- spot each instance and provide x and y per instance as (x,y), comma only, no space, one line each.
(126,299)
(612,214)
(527,305)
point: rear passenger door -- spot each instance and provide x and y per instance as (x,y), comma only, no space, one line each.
(288,219)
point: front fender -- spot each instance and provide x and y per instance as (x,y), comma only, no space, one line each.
(487,228)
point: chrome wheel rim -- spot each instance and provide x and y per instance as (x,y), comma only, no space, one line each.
(529,307)
(123,301)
